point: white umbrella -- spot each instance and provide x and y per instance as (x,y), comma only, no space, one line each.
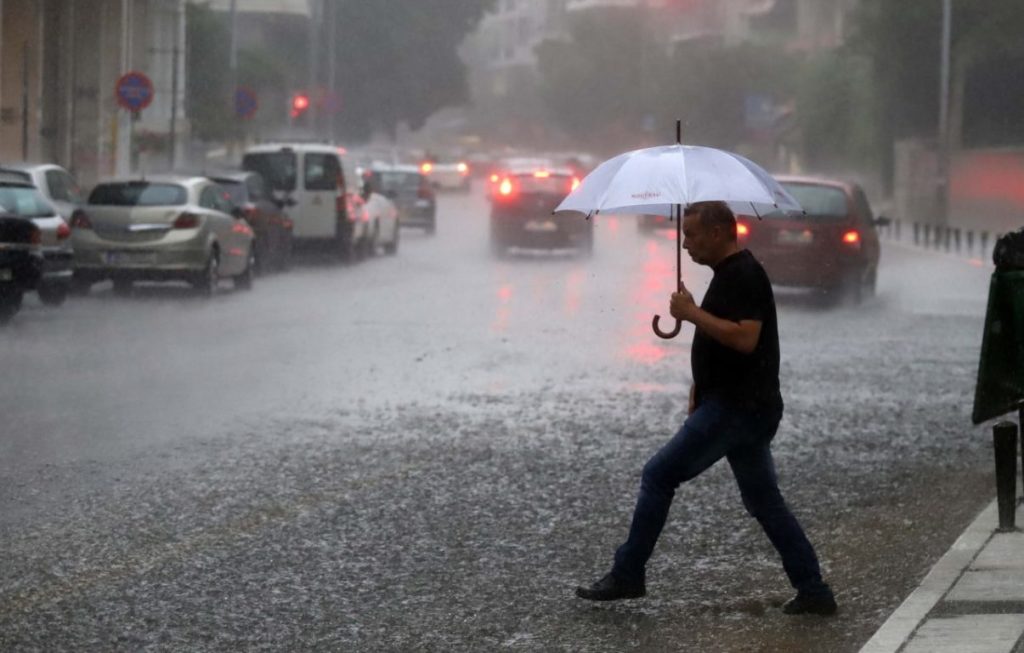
(661,180)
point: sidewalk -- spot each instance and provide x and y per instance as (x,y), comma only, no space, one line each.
(972,601)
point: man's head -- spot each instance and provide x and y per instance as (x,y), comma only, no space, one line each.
(709,232)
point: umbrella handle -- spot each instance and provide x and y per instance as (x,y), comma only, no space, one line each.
(667,335)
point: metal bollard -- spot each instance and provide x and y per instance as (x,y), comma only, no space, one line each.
(1004,438)
(897,223)
(917,234)
(970,243)
(946,234)
(956,239)
(984,244)
(927,235)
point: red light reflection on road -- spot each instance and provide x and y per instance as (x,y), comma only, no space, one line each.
(573,292)
(500,324)
(647,353)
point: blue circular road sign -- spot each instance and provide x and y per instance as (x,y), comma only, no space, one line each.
(134,91)
(246,102)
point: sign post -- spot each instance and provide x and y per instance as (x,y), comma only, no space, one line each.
(133,92)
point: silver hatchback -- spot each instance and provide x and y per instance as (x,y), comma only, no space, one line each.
(161,228)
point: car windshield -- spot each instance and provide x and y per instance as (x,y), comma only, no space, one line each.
(823,202)
(530,183)
(24,202)
(398,181)
(235,190)
(138,193)
(277,168)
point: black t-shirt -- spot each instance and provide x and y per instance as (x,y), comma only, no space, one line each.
(740,290)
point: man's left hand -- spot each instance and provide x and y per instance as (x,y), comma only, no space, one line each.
(682,305)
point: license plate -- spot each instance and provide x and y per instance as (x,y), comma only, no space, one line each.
(541,225)
(6,274)
(805,237)
(130,258)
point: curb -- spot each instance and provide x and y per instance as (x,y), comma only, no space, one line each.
(901,624)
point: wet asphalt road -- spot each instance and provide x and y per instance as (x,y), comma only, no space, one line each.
(428,452)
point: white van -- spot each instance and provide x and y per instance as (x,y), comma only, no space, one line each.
(310,179)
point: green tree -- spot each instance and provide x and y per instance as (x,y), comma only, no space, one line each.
(397,61)
(902,40)
(207,74)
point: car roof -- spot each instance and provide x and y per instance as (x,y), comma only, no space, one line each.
(394,167)
(529,170)
(233,175)
(14,177)
(815,181)
(184,180)
(295,147)
(26,166)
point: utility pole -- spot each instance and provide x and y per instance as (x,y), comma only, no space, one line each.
(233,69)
(942,159)
(172,132)
(331,101)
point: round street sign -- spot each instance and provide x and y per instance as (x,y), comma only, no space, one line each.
(246,102)
(134,91)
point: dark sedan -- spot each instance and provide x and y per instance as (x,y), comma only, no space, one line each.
(21,262)
(265,214)
(522,202)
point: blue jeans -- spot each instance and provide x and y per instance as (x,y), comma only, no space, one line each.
(742,436)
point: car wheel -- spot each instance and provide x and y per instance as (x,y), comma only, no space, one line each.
(371,243)
(244,281)
(53,294)
(587,245)
(10,304)
(430,228)
(343,245)
(122,287)
(871,284)
(285,262)
(80,285)
(206,282)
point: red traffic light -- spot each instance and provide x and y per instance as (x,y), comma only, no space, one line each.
(300,102)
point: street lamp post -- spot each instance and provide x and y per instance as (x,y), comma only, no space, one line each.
(942,185)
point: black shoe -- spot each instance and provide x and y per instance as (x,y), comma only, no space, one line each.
(612,588)
(823,604)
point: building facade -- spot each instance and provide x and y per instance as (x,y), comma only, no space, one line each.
(59,65)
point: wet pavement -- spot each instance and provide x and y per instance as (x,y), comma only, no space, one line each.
(428,452)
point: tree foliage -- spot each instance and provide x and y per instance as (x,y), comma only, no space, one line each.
(397,61)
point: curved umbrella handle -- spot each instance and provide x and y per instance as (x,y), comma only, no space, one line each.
(667,335)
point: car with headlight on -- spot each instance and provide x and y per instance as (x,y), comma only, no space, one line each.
(162,228)
(522,205)
(21,262)
(833,246)
(448,176)
(20,197)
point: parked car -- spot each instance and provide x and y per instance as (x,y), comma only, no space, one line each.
(833,247)
(521,212)
(411,192)
(21,198)
(162,228)
(448,175)
(382,214)
(21,262)
(312,176)
(272,228)
(56,184)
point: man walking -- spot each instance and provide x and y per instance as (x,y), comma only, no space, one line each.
(734,411)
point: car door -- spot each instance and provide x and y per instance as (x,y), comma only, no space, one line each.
(221,224)
(323,184)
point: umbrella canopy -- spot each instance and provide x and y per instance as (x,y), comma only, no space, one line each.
(655,179)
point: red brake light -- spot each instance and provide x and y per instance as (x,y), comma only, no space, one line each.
(79,220)
(505,188)
(742,229)
(426,167)
(187,221)
(63,231)
(575,184)
(851,238)
(494,178)
(541,174)
(462,168)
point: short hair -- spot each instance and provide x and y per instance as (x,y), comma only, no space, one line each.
(714,214)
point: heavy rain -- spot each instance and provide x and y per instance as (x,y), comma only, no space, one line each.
(297,355)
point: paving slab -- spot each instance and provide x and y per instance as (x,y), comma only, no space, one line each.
(970,634)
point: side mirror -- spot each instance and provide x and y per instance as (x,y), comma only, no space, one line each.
(882,221)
